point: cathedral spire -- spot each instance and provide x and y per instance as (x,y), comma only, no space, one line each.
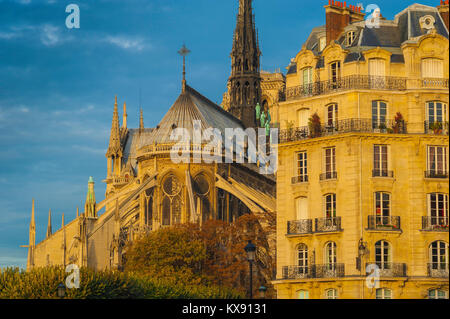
(125,115)
(141,121)
(49,226)
(184,52)
(245,81)
(32,239)
(114,148)
(90,205)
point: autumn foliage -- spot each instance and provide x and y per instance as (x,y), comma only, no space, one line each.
(210,254)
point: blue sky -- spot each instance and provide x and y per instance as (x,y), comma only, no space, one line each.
(57,86)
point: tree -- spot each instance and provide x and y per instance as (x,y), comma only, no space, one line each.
(211,254)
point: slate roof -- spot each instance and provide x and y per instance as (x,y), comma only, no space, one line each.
(189,107)
(389,36)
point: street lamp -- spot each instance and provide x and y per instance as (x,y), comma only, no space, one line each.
(61,290)
(262,292)
(250,249)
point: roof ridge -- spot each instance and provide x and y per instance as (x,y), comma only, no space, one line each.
(220,109)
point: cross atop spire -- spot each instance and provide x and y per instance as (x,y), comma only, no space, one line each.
(184,52)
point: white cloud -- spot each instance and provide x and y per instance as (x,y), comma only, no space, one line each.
(50,35)
(127,43)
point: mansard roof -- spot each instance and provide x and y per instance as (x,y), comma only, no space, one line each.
(390,35)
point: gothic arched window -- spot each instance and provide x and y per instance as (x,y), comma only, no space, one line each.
(171,203)
(202,195)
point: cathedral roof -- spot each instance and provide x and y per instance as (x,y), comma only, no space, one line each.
(189,107)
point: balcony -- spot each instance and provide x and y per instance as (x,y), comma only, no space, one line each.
(389,269)
(384,223)
(328,224)
(353,125)
(352,82)
(436,174)
(435,83)
(434,223)
(314,271)
(328,176)
(382,173)
(438,270)
(436,128)
(299,179)
(298,227)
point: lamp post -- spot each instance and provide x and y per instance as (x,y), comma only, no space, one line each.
(250,249)
(262,292)
(61,290)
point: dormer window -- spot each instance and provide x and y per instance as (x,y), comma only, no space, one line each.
(322,43)
(350,37)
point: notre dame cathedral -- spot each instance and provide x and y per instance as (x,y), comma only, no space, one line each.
(146,190)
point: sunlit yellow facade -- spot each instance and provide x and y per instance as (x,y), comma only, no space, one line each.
(368,176)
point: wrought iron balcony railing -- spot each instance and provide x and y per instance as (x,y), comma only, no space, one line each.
(436,174)
(438,270)
(436,127)
(377,222)
(382,173)
(299,179)
(314,271)
(342,126)
(328,224)
(351,82)
(387,269)
(439,83)
(434,223)
(297,227)
(328,175)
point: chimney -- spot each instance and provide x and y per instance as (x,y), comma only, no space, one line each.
(338,16)
(443,11)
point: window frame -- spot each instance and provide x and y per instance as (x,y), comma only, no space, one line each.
(301,165)
(383,150)
(383,292)
(334,294)
(332,122)
(431,60)
(330,256)
(436,293)
(350,37)
(377,118)
(385,255)
(444,112)
(332,157)
(333,205)
(442,259)
(433,214)
(302,258)
(444,159)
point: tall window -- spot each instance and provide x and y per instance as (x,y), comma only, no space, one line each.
(322,43)
(330,206)
(432,68)
(439,255)
(437,294)
(330,254)
(307,75)
(350,37)
(332,115)
(302,166)
(380,160)
(330,163)
(307,80)
(303,294)
(382,208)
(383,254)
(379,112)
(377,70)
(331,294)
(171,203)
(437,161)
(436,112)
(335,73)
(301,208)
(383,293)
(302,259)
(438,209)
